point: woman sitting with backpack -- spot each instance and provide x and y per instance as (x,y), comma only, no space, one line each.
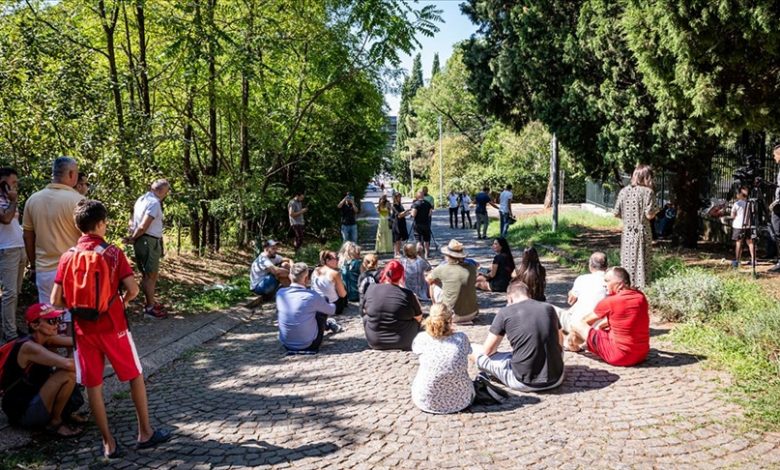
(37,383)
(326,281)
(368,273)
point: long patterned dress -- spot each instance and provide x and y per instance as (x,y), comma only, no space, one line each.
(384,237)
(633,205)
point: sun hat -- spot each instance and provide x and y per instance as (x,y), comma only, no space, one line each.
(454,249)
(37,312)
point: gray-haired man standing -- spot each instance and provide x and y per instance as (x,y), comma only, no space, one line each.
(49,229)
(147,240)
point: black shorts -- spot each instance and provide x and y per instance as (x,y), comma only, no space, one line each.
(740,234)
(422,233)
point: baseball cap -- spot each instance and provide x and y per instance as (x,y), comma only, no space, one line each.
(269,242)
(37,312)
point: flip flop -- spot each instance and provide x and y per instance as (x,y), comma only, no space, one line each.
(158,437)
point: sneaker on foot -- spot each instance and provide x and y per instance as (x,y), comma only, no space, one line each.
(154,313)
(334,327)
(735,264)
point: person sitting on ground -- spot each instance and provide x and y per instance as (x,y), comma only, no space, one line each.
(587,292)
(415,268)
(453,283)
(303,313)
(741,231)
(107,335)
(442,383)
(369,274)
(536,360)
(326,281)
(37,383)
(623,337)
(269,270)
(497,280)
(391,313)
(349,264)
(533,274)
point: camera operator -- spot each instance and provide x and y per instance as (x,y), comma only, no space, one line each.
(776,206)
(348,222)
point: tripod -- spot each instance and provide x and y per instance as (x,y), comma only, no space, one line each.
(757,215)
(748,232)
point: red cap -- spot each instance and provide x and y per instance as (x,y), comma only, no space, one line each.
(41,311)
(394,272)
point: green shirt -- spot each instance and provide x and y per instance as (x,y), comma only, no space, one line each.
(458,283)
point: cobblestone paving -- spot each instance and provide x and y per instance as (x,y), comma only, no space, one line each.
(239,401)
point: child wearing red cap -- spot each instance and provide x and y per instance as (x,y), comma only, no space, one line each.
(107,336)
(37,383)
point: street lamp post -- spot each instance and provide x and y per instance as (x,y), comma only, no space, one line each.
(441,169)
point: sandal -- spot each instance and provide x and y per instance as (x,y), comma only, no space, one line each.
(63,431)
(78,418)
(113,455)
(158,437)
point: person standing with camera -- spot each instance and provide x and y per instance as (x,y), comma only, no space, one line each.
(348,222)
(776,206)
(12,255)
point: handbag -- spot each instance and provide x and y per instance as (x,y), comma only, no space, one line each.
(510,219)
(487,394)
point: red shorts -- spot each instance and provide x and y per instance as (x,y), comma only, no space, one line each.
(601,344)
(92,351)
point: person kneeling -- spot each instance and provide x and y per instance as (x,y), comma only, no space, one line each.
(37,383)
(536,360)
(618,330)
(303,313)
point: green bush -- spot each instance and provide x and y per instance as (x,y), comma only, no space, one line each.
(688,295)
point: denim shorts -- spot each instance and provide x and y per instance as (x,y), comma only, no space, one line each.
(36,415)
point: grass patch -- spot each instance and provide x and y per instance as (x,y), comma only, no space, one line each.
(213,297)
(123,395)
(736,325)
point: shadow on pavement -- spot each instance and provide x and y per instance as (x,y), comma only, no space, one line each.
(580,378)
(658,358)
(512,403)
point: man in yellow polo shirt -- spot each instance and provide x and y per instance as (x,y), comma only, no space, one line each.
(49,229)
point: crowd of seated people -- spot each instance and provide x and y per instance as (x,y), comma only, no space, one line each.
(606,316)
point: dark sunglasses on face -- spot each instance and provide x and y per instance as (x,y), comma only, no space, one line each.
(52,321)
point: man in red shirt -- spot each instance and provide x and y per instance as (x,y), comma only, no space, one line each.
(108,336)
(618,330)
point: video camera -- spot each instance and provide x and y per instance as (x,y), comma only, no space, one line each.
(750,174)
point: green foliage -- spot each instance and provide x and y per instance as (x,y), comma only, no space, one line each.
(247,102)
(691,295)
(216,297)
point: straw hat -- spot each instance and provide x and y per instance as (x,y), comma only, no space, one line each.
(454,249)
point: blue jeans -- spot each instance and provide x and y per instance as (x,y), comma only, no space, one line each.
(349,233)
(267,285)
(504,223)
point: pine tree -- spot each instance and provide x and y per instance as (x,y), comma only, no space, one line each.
(435,69)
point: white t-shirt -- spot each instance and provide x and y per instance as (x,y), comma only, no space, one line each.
(149,204)
(589,290)
(11,233)
(453,198)
(504,199)
(260,266)
(465,202)
(738,212)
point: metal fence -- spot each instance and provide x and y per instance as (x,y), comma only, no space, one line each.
(601,195)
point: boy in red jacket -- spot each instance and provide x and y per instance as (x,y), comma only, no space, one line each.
(107,336)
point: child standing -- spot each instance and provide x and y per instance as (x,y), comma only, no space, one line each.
(106,335)
(741,230)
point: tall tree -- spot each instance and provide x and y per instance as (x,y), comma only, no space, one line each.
(435,68)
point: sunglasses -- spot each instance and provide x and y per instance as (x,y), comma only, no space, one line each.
(52,321)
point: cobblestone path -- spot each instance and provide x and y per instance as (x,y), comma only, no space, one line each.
(239,401)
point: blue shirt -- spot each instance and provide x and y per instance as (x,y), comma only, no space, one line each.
(296,307)
(481,199)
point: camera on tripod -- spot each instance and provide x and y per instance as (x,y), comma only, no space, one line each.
(750,174)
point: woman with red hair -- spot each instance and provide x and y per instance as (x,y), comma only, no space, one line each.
(391,313)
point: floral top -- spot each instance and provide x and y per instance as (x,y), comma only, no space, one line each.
(442,383)
(414,272)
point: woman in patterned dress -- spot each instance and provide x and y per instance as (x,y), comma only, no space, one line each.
(384,237)
(442,383)
(636,205)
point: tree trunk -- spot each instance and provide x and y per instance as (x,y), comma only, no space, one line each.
(143,71)
(189,172)
(212,62)
(689,183)
(109,26)
(244,126)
